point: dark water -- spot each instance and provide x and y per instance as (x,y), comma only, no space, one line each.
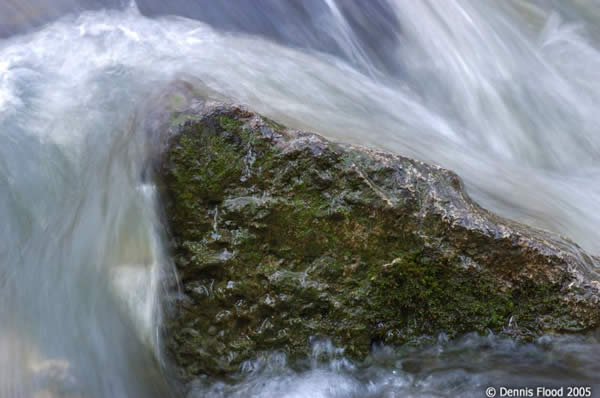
(505,93)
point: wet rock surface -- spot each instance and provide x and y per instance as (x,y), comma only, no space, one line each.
(281,236)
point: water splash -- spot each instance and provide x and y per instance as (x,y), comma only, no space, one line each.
(504,93)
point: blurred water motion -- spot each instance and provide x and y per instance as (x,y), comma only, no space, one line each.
(504,93)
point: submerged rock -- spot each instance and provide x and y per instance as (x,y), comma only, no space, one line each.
(281,236)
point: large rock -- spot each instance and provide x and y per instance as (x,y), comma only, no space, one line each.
(280,236)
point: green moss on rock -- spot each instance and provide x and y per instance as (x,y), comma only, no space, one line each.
(282,236)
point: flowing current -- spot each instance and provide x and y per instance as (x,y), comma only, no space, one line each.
(505,93)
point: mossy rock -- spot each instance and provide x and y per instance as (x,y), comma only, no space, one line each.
(280,236)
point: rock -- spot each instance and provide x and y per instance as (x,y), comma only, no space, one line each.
(280,236)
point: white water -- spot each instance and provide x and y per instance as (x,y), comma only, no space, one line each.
(507,94)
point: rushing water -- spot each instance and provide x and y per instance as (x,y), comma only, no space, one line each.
(506,93)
